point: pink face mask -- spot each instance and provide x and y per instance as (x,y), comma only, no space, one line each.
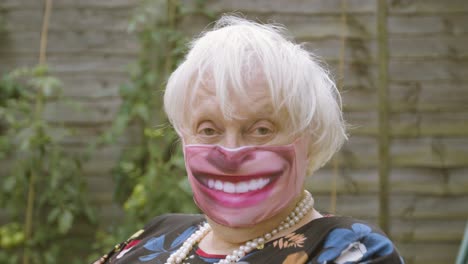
(244,186)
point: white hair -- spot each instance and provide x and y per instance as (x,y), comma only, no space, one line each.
(232,51)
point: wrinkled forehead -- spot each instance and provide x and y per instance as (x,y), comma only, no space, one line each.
(230,93)
(250,88)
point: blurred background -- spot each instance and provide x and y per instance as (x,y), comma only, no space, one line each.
(87,156)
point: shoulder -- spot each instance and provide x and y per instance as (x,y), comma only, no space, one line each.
(154,237)
(348,240)
(170,225)
(174,220)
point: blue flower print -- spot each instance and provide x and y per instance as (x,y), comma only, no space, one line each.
(156,244)
(355,245)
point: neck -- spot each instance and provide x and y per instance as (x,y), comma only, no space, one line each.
(223,239)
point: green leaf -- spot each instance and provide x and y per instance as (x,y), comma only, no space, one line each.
(40,70)
(50,86)
(141,111)
(65,222)
(53,215)
(9,184)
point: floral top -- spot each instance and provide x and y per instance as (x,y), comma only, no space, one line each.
(340,240)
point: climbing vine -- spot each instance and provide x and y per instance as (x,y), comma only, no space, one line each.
(42,188)
(150,174)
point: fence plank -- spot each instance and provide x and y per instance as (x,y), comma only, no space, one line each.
(437,24)
(429,47)
(71,41)
(428,6)
(349,181)
(428,253)
(427,231)
(428,70)
(428,207)
(423,96)
(294,6)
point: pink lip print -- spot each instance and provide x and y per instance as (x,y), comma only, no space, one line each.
(237,191)
(244,186)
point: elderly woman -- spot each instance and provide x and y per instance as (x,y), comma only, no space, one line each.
(256,114)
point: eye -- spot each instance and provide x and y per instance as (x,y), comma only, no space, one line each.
(262,129)
(207,129)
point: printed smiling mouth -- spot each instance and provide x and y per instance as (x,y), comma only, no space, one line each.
(236,184)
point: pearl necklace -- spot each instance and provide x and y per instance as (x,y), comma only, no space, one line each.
(302,208)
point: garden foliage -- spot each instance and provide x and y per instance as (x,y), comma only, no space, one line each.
(41,189)
(150,174)
(42,186)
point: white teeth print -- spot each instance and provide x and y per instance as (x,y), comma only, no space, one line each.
(211,183)
(240,187)
(218,185)
(229,187)
(253,185)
